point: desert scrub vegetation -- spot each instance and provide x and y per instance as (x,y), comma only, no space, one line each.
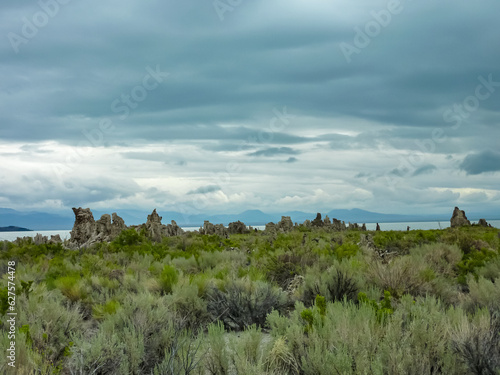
(304,302)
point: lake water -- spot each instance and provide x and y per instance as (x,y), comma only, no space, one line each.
(424,225)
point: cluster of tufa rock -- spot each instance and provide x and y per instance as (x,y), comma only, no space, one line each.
(87,231)
(459,219)
(40,239)
(483,223)
(209,228)
(334,225)
(155,230)
(285,225)
(236,227)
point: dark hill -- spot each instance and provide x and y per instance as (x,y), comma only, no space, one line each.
(12,228)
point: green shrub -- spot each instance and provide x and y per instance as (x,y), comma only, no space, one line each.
(320,303)
(99,312)
(26,287)
(346,250)
(182,357)
(308,317)
(280,360)
(102,353)
(393,241)
(132,340)
(254,273)
(415,340)
(334,285)
(473,260)
(383,309)
(186,265)
(168,278)
(244,303)
(25,328)
(441,258)
(59,267)
(128,237)
(72,287)
(249,350)
(217,359)
(483,293)
(187,303)
(47,323)
(491,269)
(26,251)
(282,269)
(221,274)
(401,276)
(478,346)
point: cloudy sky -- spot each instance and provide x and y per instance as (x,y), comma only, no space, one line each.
(227,105)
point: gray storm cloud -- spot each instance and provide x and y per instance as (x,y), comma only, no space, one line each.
(169,96)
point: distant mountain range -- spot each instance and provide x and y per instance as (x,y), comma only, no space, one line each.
(35,220)
(49,221)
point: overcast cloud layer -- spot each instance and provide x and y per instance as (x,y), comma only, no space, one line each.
(203,106)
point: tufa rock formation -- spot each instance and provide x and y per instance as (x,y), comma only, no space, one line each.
(237,228)
(156,230)
(482,223)
(270,228)
(333,225)
(154,227)
(458,219)
(337,225)
(218,229)
(173,229)
(356,226)
(317,222)
(106,230)
(84,226)
(39,239)
(285,225)
(86,231)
